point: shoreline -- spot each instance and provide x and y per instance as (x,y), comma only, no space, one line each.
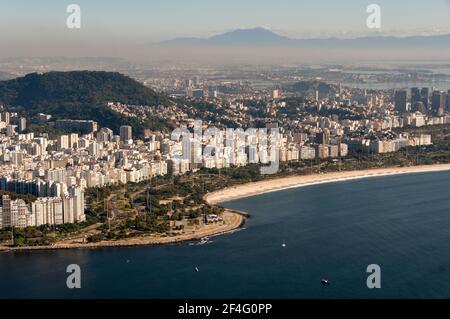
(296,181)
(235,221)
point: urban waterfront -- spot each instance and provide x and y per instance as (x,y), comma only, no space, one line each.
(331,230)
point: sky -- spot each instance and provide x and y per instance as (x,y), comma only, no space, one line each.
(165,19)
(40,26)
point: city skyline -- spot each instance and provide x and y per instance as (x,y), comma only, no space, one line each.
(307,143)
(83,155)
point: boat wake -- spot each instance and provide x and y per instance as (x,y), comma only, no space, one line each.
(203,241)
(207,240)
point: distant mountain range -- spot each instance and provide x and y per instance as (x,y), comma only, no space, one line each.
(256,36)
(264,37)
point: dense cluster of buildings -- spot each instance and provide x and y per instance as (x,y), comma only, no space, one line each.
(421,101)
(57,171)
(43,211)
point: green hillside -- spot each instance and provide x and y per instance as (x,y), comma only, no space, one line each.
(80,95)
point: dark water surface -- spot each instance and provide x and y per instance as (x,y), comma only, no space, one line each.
(401,223)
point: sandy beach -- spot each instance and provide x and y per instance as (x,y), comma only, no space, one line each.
(276,184)
(232,221)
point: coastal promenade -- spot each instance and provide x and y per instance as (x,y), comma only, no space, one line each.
(232,221)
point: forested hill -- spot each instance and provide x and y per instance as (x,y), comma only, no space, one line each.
(79,95)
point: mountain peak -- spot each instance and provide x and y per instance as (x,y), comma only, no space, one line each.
(258,36)
(255,30)
(242,37)
(262,36)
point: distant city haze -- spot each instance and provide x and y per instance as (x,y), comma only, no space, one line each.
(139,30)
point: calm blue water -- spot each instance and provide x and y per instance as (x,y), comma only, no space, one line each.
(334,230)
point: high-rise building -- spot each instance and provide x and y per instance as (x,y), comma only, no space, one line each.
(62,142)
(5,117)
(125,133)
(415,98)
(400,101)
(196,80)
(16,213)
(10,130)
(275,94)
(323,137)
(448,100)
(94,149)
(77,194)
(6,212)
(104,135)
(73,140)
(48,210)
(22,124)
(188,83)
(16,158)
(322,151)
(22,214)
(425,97)
(438,102)
(307,153)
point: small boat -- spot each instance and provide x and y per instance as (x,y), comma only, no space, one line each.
(283,244)
(325,281)
(196,269)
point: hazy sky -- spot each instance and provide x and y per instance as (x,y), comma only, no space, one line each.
(40,26)
(162,19)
